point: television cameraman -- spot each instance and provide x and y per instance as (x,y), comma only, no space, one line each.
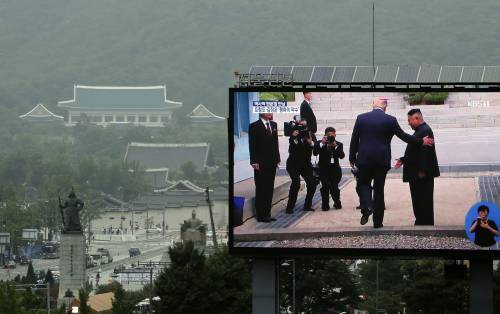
(298,164)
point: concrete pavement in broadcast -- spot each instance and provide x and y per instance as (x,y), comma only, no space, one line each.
(452,199)
(453,146)
(453,196)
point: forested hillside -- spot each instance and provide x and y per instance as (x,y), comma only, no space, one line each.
(193,46)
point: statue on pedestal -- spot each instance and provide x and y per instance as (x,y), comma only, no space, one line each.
(70,209)
(194,230)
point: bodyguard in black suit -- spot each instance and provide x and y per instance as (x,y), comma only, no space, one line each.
(264,158)
(330,151)
(420,167)
(370,153)
(307,114)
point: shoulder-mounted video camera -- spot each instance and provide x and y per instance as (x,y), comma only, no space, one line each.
(293,125)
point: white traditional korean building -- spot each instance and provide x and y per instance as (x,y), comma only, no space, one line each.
(201,114)
(105,105)
(41,114)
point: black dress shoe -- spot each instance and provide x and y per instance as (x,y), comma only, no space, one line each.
(272,219)
(264,220)
(337,206)
(378,226)
(308,209)
(364,219)
(366,215)
(289,211)
(325,208)
(358,207)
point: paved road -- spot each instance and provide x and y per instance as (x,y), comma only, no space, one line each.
(145,257)
(118,249)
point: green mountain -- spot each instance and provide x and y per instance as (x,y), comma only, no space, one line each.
(194,46)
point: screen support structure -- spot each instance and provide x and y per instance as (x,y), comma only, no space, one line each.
(481,286)
(264,286)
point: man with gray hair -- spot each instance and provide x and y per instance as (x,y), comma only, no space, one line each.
(370,156)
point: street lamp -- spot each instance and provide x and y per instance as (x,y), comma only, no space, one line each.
(286,264)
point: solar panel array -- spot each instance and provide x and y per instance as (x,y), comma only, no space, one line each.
(385,73)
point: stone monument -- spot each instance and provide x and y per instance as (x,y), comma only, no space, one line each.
(194,230)
(72,266)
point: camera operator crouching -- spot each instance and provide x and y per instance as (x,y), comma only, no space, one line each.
(330,151)
(299,163)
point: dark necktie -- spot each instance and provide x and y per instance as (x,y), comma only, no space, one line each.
(268,129)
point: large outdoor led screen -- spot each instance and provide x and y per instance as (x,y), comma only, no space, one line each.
(365,172)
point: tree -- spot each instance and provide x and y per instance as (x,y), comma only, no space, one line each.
(121,304)
(137,134)
(83,296)
(321,285)
(30,274)
(133,181)
(430,292)
(191,278)
(31,300)
(391,284)
(230,283)
(183,285)
(110,287)
(8,300)
(49,278)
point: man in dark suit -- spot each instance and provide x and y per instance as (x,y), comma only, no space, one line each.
(299,164)
(264,158)
(420,167)
(330,151)
(307,114)
(370,156)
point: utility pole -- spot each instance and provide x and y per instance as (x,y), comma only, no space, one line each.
(151,289)
(373,38)
(147,223)
(132,221)
(88,231)
(163,223)
(214,237)
(48,297)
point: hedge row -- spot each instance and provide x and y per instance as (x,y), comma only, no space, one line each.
(422,98)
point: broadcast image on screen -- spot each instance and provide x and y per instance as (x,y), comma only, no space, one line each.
(364,170)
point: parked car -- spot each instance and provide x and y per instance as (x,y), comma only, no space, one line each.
(98,259)
(134,252)
(10,264)
(24,260)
